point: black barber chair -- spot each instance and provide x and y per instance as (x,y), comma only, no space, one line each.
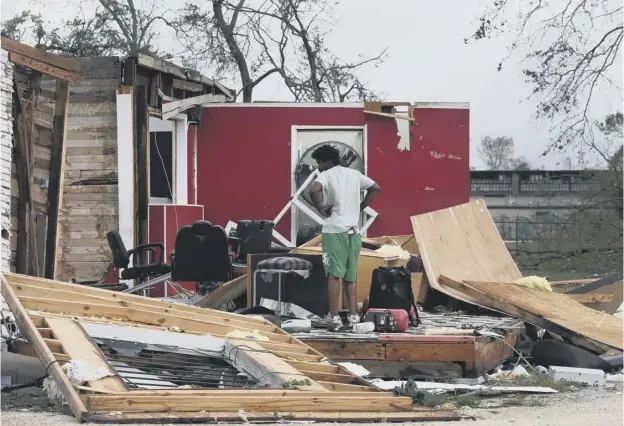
(201,255)
(121,258)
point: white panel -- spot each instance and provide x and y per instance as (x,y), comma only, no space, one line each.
(125,170)
(181,161)
(158,125)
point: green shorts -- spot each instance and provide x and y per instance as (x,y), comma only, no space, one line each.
(340,255)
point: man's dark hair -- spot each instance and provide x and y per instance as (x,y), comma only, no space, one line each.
(327,152)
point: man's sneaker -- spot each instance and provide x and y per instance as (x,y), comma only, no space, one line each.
(354,319)
(332,324)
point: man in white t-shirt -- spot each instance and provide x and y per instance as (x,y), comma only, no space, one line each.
(336,194)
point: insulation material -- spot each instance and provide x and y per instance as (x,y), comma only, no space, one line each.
(538,283)
(239,334)
(80,372)
(393,251)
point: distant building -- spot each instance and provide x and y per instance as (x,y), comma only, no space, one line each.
(519,200)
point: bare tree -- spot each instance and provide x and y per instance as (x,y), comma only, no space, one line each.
(221,38)
(309,69)
(573,46)
(283,37)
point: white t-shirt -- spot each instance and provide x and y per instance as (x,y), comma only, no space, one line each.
(342,189)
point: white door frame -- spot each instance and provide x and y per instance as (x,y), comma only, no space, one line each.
(294,150)
(179,186)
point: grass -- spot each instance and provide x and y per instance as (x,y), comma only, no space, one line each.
(538,380)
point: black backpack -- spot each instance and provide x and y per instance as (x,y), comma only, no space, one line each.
(391,288)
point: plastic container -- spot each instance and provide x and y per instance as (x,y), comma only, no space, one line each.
(400,317)
(297,326)
(363,327)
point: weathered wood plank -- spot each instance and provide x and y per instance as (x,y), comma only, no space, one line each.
(251,403)
(27,327)
(37,65)
(49,59)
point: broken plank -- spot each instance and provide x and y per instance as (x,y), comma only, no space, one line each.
(240,401)
(27,327)
(44,68)
(79,346)
(39,55)
(136,315)
(189,86)
(224,293)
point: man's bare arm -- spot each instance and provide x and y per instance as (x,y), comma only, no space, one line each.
(371,193)
(316,193)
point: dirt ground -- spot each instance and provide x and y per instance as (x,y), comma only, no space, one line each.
(586,408)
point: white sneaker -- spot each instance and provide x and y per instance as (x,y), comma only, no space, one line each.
(354,319)
(332,324)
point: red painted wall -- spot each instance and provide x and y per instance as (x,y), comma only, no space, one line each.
(244,161)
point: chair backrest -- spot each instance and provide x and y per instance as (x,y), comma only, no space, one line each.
(255,236)
(121,258)
(201,253)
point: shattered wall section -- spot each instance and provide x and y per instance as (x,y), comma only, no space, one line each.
(6,143)
(89,206)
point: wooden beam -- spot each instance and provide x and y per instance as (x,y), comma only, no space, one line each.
(44,68)
(57,175)
(226,317)
(343,387)
(189,86)
(108,310)
(170,109)
(79,346)
(266,367)
(224,293)
(43,352)
(297,403)
(45,57)
(419,414)
(25,290)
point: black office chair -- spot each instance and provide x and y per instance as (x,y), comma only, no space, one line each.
(254,236)
(201,255)
(146,252)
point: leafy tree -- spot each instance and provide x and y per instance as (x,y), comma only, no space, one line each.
(113,28)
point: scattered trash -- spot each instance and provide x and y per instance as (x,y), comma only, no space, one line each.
(591,377)
(434,387)
(80,372)
(297,326)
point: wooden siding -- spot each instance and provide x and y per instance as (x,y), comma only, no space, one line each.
(89,206)
(42,134)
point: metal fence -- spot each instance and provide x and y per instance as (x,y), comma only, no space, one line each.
(554,232)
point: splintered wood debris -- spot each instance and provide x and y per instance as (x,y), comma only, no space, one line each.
(465,257)
(65,323)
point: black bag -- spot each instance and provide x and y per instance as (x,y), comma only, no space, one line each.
(391,288)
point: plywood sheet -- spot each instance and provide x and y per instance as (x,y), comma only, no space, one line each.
(462,243)
(559,309)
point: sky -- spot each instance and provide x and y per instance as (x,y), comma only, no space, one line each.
(427,61)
